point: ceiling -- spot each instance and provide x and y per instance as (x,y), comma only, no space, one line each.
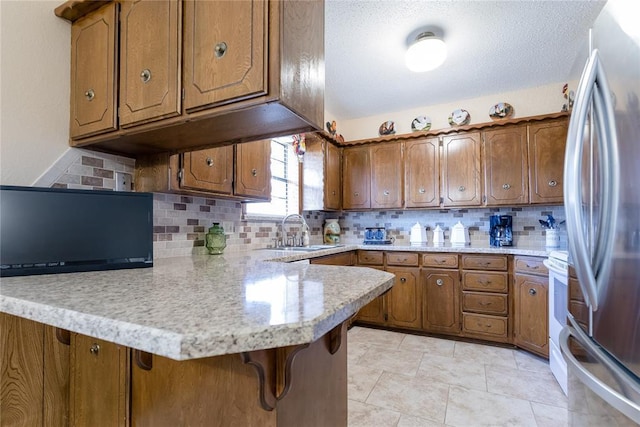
(493,46)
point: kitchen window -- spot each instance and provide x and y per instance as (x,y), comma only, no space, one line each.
(285,174)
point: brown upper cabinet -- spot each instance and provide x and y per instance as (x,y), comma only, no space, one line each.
(461,170)
(321,176)
(505,166)
(253,171)
(422,173)
(193,74)
(208,170)
(547,142)
(356,178)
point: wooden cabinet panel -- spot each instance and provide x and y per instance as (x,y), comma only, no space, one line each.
(93,73)
(440,260)
(481,302)
(461,177)
(485,281)
(99,386)
(345,258)
(150,43)
(404,300)
(370,257)
(253,171)
(530,265)
(209,170)
(547,143)
(402,258)
(386,175)
(321,176)
(505,166)
(483,326)
(422,173)
(356,178)
(531,307)
(441,306)
(373,313)
(484,262)
(225,48)
(56,376)
(333,186)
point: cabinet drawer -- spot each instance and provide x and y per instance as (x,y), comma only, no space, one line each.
(484,281)
(481,302)
(530,265)
(482,324)
(370,257)
(484,262)
(345,258)
(440,260)
(402,258)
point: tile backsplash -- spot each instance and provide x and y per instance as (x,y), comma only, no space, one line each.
(181,222)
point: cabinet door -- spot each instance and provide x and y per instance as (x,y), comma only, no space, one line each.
(356,178)
(99,382)
(547,143)
(461,170)
(93,73)
(404,300)
(224,51)
(373,313)
(149,60)
(386,175)
(333,185)
(210,170)
(506,177)
(531,309)
(422,173)
(441,301)
(253,169)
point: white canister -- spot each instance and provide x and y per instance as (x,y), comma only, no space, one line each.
(459,235)
(438,236)
(552,238)
(418,235)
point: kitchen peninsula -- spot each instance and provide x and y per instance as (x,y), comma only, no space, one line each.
(202,340)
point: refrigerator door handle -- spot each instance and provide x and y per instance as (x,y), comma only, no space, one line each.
(609,395)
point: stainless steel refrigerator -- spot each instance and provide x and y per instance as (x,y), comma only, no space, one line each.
(602,203)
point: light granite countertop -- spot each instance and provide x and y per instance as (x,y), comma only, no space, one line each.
(199,306)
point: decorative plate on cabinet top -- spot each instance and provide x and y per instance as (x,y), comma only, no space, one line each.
(501,110)
(387,128)
(459,118)
(421,123)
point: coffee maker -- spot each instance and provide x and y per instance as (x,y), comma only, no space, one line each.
(500,233)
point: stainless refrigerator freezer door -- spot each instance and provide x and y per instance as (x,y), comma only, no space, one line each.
(600,392)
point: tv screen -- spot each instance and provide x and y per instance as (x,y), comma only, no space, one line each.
(49,230)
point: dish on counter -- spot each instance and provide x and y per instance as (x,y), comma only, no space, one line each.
(459,117)
(387,128)
(421,123)
(501,110)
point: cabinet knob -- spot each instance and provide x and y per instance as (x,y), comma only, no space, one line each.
(90,94)
(356,194)
(94,349)
(145,75)
(532,291)
(506,186)
(553,183)
(220,49)
(254,172)
(439,282)
(422,190)
(333,193)
(385,192)
(209,161)
(403,279)
(461,188)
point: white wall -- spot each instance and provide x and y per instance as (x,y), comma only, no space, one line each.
(526,102)
(34,81)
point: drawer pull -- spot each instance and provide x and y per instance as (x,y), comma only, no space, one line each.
(506,186)
(439,282)
(94,349)
(532,291)
(484,304)
(254,172)
(145,75)
(403,279)
(461,188)
(90,94)
(553,183)
(533,267)
(209,161)
(386,192)
(220,49)
(421,191)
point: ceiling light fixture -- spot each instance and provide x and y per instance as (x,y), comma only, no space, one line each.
(426,53)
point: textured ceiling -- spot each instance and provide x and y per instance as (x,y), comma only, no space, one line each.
(494,46)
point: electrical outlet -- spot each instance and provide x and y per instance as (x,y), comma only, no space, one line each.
(124,181)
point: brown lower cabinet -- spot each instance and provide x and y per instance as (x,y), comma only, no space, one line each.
(531,306)
(404,300)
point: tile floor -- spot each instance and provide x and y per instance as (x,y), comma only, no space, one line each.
(403,380)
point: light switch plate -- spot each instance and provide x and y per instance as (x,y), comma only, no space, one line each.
(124,181)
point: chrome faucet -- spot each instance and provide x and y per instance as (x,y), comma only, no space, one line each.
(293,240)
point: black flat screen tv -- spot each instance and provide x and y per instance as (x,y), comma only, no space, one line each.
(51,230)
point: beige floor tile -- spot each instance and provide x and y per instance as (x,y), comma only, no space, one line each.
(530,362)
(396,361)
(550,416)
(410,396)
(435,346)
(410,421)
(454,371)
(479,408)
(355,349)
(363,415)
(538,387)
(487,354)
(360,381)
(369,336)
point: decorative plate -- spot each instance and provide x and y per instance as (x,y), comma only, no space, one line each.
(501,110)
(421,123)
(387,128)
(459,118)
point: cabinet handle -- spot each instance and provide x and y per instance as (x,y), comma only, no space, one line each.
(439,282)
(220,49)
(422,190)
(90,94)
(461,188)
(506,186)
(254,172)
(94,349)
(356,194)
(333,193)
(532,291)
(484,304)
(145,75)
(209,161)
(403,279)
(385,192)
(533,267)
(553,183)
